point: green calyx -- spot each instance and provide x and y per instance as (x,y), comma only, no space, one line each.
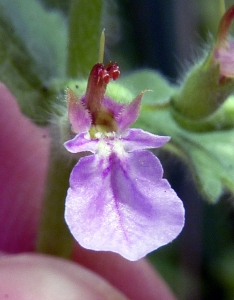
(202,93)
(222,119)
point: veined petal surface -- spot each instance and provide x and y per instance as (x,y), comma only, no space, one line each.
(81,143)
(79,116)
(137,139)
(122,204)
(129,114)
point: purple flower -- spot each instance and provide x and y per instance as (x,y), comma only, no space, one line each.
(117,200)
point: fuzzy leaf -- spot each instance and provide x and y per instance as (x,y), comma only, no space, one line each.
(17,72)
(43,33)
(159,88)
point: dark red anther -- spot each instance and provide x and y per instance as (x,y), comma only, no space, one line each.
(104,74)
(113,69)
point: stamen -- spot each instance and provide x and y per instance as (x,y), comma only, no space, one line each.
(113,70)
(104,75)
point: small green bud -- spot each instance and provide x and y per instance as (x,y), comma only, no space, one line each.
(210,82)
(202,92)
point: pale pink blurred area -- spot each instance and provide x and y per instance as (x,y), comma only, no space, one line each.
(24,149)
(136,279)
(40,277)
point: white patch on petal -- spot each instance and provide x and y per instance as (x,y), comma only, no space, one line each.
(118,148)
(104,149)
(110,135)
(109,143)
(98,135)
(87,136)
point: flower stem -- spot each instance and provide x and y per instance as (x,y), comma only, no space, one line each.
(54,237)
(84,35)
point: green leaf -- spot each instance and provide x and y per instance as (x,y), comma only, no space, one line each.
(210,155)
(16,71)
(43,33)
(160,89)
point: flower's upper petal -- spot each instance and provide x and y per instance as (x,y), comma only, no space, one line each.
(137,139)
(113,106)
(129,113)
(80,143)
(122,204)
(79,116)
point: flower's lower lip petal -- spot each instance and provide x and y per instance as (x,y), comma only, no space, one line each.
(123,205)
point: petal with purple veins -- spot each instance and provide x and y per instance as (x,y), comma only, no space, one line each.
(129,114)
(138,139)
(81,143)
(79,116)
(122,204)
(113,106)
